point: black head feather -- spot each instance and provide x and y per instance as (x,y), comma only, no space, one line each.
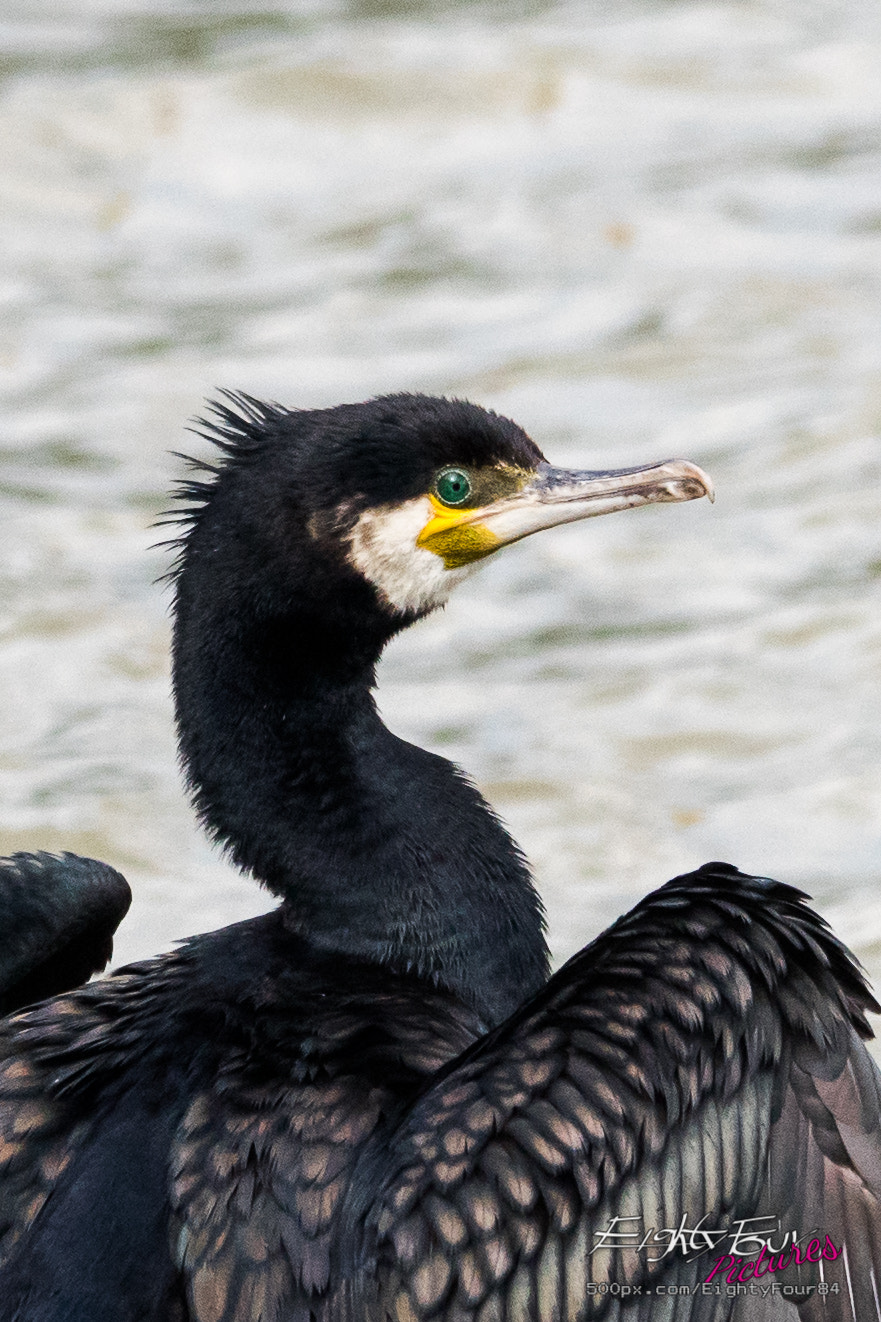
(375,453)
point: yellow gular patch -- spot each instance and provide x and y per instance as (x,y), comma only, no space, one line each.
(452,535)
(458,536)
(457,541)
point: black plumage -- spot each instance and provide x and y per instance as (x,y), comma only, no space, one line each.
(59,915)
(373,1103)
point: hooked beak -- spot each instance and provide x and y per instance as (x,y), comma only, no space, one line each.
(558,495)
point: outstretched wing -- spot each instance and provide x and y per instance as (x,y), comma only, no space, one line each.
(59,913)
(701,1063)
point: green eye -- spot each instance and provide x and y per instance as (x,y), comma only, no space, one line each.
(453,486)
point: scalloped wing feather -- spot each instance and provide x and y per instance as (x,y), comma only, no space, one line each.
(702,1059)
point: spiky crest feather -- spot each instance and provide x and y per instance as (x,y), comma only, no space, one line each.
(235,429)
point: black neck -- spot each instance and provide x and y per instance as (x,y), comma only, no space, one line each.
(380,849)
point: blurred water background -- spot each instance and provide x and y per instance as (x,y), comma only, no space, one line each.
(641,229)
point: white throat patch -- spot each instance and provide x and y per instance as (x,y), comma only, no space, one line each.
(383,549)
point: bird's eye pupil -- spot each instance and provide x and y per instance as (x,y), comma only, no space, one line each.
(453,486)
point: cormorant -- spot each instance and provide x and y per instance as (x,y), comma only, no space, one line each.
(373,1103)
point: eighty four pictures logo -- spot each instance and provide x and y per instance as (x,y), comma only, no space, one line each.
(747,1250)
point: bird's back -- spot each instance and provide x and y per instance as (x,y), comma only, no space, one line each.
(176,1140)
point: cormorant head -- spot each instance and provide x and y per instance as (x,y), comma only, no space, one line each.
(404,494)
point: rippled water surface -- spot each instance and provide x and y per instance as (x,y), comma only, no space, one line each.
(641,230)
